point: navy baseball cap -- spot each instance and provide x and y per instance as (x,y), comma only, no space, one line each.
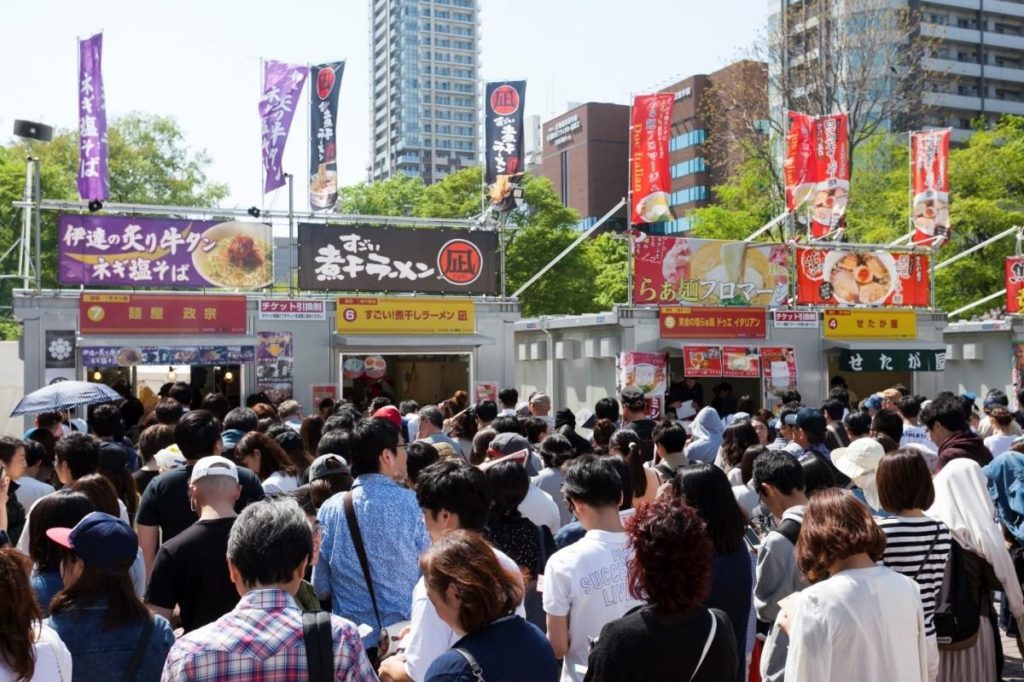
(102,541)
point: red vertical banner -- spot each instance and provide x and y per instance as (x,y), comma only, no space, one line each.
(799,155)
(650,176)
(831,174)
(929,186)
(1014,284)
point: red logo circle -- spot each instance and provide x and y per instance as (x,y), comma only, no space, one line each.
(460,262)
(505,100)
(324,82)
(349,315)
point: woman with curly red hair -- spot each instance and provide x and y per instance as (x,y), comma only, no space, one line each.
(672,637)
(857,620)
(29,650)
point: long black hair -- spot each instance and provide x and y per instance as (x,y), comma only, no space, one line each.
(706,488)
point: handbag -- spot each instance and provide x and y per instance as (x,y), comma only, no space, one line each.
(474,667)
(384,639)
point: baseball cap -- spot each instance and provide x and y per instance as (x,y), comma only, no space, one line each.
(873,403)
(102,541)
(170,458)
(996,401)
(859,462)
(632,397)
(229,438)
(509,443)
(389,413)
(811,420)
(326,465)
(215,465)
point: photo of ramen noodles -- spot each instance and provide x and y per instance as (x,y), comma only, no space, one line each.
(375,366)
(654,207)
(241,258)
(860,277)
(323,189)
(829,203)
(126,357)
(931,213)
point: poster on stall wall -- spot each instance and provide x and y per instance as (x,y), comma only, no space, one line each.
(856,277)
(709,272)
(702,361)
(60,349)
(929,186)
(1014,284)
(649,373)
(325,83)
(798,167)
(779,366)
(831,175)
(741,362)
(650,177)
(321,392)
(1018,363)
(485,390)
(274,364)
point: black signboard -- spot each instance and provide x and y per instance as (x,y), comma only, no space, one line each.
(383,259)
(503,111)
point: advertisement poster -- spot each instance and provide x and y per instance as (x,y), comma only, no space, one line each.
(282,85)
(832,174)
(161,314)
(503,125)
(798,165)
(702,361)
(649,373)
(274,364)
(485,390)
(372,259)
(650,177)
(405,315)
(709,272)
(778,363)
(322,392)
(128,356)
(162,252)
(1018,363)
(741,362)
(850,277)
(929,186)
(712,323)
(93,175)
(325,84)
(1014,284)
(60,349)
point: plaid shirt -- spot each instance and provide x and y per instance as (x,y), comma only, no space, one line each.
(262,640)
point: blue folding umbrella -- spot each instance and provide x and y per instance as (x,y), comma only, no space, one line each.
(64,395)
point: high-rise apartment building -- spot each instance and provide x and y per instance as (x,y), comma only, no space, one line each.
(424,85)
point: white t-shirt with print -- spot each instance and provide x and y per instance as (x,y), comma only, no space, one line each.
(917,435)
(587,582)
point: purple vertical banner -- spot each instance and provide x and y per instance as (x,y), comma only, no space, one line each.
(93,176)
(282,84)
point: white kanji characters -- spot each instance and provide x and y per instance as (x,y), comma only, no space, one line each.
(119,269)
(160,269)
(90,167)
(96,238)
(101,269)
(89,127)
(171,239)
(74,235)
(87,87)
(130,239)
(179,273)
(380,266)
(354,266)
(330,260)
(138,270)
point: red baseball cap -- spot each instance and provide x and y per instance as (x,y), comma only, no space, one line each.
(389,413)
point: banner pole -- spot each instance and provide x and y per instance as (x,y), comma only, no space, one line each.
(501,249)
(263,195)
(910,183)
(292,255)
(630,273)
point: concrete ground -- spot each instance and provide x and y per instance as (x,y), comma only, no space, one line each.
(1013,669)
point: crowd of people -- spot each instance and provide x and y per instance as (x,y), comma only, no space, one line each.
(880,539)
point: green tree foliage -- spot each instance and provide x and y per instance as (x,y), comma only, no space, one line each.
(150,163)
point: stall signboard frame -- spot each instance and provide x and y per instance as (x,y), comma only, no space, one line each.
(162,314)
(678,322)
(405,315)
(849,323)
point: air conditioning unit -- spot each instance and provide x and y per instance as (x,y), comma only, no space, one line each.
(591,348)
(567,350)
(954,351)
(974,351)
(523,351)
(539,350)
(610,347)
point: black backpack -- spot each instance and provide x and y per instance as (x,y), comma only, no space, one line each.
(957,612)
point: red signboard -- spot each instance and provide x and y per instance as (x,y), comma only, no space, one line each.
(712,323)
(929,185)
(817,168)
(1014,284)
(799,156)
(741,361)
(851,276)
(650,179)
(702,361)
(161,314)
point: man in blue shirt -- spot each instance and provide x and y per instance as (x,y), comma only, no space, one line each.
(392,529)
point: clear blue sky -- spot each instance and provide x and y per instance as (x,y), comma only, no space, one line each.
(198,61)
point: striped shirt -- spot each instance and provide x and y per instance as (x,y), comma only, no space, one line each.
(907,540)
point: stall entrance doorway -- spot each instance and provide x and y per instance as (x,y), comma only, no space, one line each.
(427,378)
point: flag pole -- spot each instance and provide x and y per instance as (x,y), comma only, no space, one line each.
(629,209)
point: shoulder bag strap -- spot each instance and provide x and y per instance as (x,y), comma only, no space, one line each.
(357,541)
(474,667)
(543,551)
(317,637)
(140,648)
(927,552)
(707,644)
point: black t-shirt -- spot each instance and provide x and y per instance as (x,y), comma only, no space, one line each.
(165,502)
(191,571)
(143,477)
(645,645)
(645,429)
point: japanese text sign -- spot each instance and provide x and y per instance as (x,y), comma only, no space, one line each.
(93,175)
(870,324)
(161,252)
(779,366)
(884,360)
(680,270)
(157,314)
(503,125)
(929,185)
(292,309)
(851,276)
(363,258)
(1014,283)
(795,319)
(282,85)
(325,84)
(646,371)
(127,356)
(741,362)
(817,169)
(650,179)
(702,361)
(406,315)
(712,323)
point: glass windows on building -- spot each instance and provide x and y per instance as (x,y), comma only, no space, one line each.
(690,195)
(687,140)
(684,168)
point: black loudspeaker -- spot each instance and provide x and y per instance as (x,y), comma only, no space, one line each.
(33,130)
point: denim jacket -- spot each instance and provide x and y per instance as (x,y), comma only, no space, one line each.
(100,654)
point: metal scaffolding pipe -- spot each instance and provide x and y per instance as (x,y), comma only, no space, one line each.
(980,301)
(767,226)
(991,240)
